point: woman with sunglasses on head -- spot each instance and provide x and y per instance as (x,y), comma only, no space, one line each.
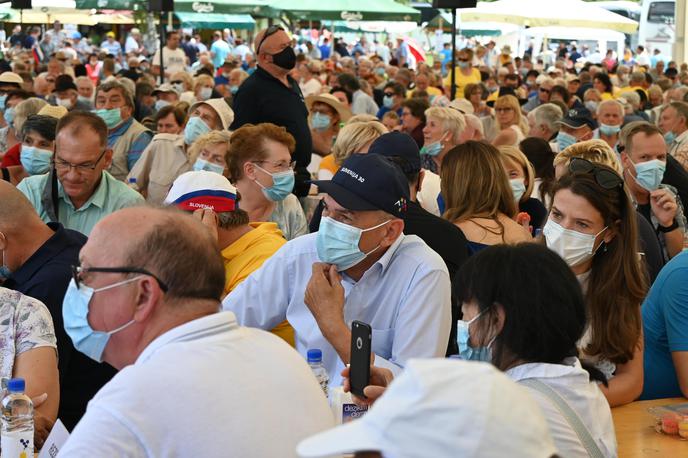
(512,126)
(592,226)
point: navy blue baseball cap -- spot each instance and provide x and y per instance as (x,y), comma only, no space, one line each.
(401,146)
(368,182)
(578,117)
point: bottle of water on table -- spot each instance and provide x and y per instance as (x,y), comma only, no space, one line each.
(315,361)
(16,436)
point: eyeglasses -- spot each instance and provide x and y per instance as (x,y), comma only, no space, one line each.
(389,94)
(605,178)
(281,166)
(77,271)
(270,31)
(546,91)
(62,165)
(177,82)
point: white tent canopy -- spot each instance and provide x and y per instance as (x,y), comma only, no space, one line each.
(548,13)
(602,36)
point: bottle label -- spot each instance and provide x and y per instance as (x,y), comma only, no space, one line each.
(352,412)
(17,444)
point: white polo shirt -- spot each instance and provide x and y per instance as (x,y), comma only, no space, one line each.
(206,388)
(405,297)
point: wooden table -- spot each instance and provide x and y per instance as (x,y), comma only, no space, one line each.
(636,435)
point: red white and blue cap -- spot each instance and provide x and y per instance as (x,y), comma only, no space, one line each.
(202,189)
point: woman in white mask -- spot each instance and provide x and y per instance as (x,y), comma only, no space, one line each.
(203,87)
(326,115)
(592,226)
(444,129)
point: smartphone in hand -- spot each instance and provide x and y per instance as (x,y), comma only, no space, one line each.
(359,373)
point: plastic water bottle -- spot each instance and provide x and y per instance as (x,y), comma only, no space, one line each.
(315,361)
(17,421)
(132,184)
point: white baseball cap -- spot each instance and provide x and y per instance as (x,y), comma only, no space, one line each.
(221,108)
(202,189)
(444,408)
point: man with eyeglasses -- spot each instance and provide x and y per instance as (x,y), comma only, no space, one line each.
(37,257)
(271,95)
(542,95)
(78,191)
(146,299)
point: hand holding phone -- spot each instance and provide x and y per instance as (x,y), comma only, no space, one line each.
(359,374)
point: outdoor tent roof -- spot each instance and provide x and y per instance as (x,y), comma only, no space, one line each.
(215,20)
(347,10)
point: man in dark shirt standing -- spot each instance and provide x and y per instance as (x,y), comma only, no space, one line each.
(271,95)
(39,258)
(442,236)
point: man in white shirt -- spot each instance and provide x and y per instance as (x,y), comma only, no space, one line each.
(191,379)
(133,43)
(174,58)
(358,266)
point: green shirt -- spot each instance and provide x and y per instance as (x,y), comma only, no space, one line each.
(110,195)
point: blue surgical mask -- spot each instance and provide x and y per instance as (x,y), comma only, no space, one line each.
(649,174)
(608,130)
(75,315)
(233,89)
(518,188)
(282,185)
(9,116)
(202,164)
(387,101)
(380,71)
(591,105)
(466,351)
(669,138)
(565,140)
(111,117)
(463,65)
(195,127)
(337,243)
(432,149)
(160,104)
(35,160)
(3,99)
(320,121)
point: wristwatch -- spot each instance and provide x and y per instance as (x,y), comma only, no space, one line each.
(666,229)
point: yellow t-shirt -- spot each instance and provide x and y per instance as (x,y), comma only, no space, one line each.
(606,96)
(462,81)
(431,90)
(247,254)
(328,163)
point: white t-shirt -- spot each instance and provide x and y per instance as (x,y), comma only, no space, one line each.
(206,388)
(572,383)
(174,61)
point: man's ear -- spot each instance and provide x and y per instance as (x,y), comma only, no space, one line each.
(148,297)
(394,230)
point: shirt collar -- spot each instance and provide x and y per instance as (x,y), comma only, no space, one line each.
(97,198)
(196,329)
(682,137)
(386,258)
(119,130)
(48,250)
(569,366)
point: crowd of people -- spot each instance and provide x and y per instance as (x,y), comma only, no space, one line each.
(158,224)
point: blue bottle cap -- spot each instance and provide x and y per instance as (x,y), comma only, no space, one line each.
(314,356)
(16,385)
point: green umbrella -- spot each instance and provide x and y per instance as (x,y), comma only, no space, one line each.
(215,20)
(354,10)
(256,7)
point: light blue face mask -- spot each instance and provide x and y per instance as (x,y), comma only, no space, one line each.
(565,140)
(75,315)
(320,121)
(202,164)
(337,243)
(233,89)
(518,188)
(195,127)
(35,160)
(608,130)
(387,101)
(160,104)
(649,174)
(3,99)
(466,351)
(433,149)
(9,116)
(282,184)
(380,71)
(669,138)
(111,117)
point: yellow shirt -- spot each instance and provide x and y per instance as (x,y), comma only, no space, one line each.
(606,96)
(247,254)
(328,163)
(431,90)
(462,81)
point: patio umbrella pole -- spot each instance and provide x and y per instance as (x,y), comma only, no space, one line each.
(453,60)
(162,44)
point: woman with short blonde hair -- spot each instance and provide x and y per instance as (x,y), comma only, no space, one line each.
(595,150)
(211,152)
(203,87)
(184,83)
(512,125)
(444,128)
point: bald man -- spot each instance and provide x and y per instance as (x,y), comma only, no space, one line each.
(39,257)
(158,303)
(271,95)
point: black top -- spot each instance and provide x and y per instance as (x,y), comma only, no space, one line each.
(45,276)
(649,243)
(536,210)
(676,176)
(263,98)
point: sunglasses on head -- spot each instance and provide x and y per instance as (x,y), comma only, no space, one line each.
(605,178)
(273,29)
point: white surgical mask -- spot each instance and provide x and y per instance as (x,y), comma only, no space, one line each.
(574,247)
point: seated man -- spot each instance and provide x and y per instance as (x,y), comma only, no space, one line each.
(665,328)
(39,257)
(244,246)
(576,126)
(78,191)
(358,266)
(126,136)
(66,94)
(150,283)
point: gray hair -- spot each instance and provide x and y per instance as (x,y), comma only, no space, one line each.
(548,114)
(611,102)
(116,85)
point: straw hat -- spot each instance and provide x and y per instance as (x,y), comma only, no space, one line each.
(56,112)
(329,99)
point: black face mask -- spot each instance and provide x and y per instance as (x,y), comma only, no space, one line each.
(285,59)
